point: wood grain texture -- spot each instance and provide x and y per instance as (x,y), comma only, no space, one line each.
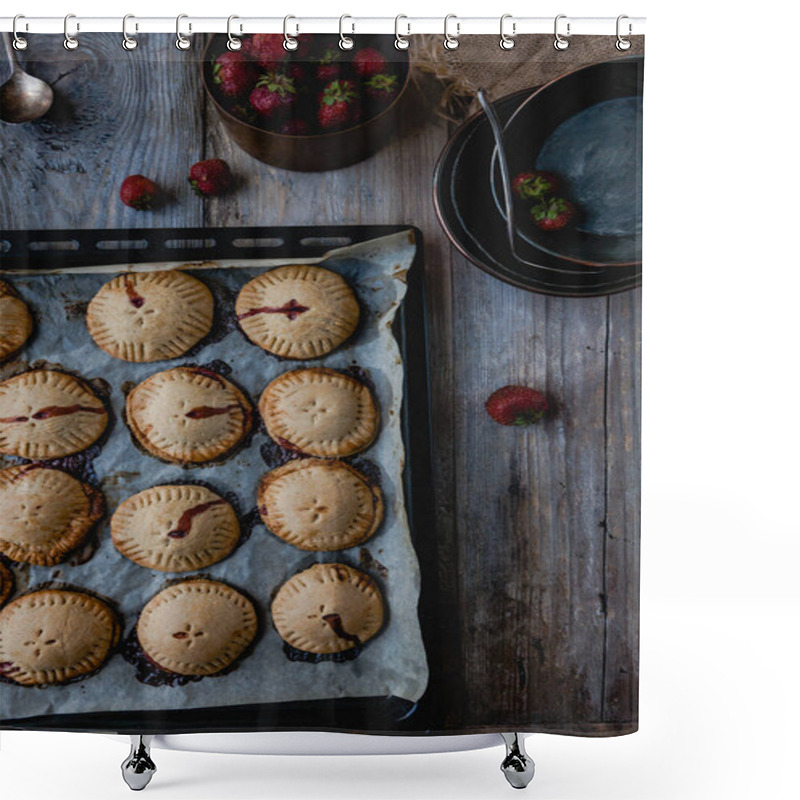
(537,530)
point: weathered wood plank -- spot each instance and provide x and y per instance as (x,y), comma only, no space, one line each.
(115,114)
(623,429)
(529,503)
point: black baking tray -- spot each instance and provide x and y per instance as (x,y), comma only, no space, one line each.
(60,249)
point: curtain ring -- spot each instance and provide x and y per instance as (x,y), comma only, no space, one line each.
(622,43)
(451,40)
(128,42)
(19,43)
(561,42)
(181,42)
(345,42)
(70,42)
(289,43)
(506,40)
(400,42)
(234,44)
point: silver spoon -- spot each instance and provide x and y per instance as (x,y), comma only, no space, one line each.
(22,97)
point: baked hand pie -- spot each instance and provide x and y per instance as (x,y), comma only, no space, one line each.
(175,528)
(319,412)
(46,513)
(319,505)
(55,635)
(298,311)
(16,322)
(197,627)
(150,316)
(48,414)
(188,415)
(328,608)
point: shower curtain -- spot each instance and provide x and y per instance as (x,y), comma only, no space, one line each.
(320,386)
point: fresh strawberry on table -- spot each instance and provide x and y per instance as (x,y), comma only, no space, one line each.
(339,105)
(139,192)
(234,73)
(369,62)
(534,185)
(552,214)
(275,92)
(517,405)
(210,177)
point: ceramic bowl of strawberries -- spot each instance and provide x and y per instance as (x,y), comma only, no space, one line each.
(312,109)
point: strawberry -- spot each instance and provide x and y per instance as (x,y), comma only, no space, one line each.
(328,66)
(274,92)
(517,405)
(234,73)
(552,214)
(339,104)
(267,49)
(534,185)
(139,192)
(368,62)
(381,87)
(211,177)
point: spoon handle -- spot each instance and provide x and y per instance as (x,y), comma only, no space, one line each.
(11,57)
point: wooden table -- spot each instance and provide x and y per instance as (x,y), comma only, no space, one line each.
(537,537)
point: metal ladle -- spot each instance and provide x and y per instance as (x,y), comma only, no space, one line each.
(22,97)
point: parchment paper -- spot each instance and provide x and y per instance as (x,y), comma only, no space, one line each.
(394,662)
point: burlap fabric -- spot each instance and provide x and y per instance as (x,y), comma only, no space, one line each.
(479,63)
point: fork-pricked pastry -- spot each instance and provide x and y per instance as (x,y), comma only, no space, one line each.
(55,635)
(298,311)
(319,412)
(175,528)
(150,316)
(318,505)
(328,608)
(188,415)
(16,322)
(197,627)
(46,513)
(48,414)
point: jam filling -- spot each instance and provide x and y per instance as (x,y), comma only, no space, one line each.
(203,412)
(184,524)
(335,621)
(55,411)
(136,300)
(292,309)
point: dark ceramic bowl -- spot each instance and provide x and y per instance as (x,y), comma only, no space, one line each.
(599,161)
(316,152)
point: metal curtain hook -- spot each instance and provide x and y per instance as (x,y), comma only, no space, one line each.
(181,42)
(19,43)
(289,42)
(622,43)
(70,42)
(506,40)
(234,44)
(451,40)
(128,42)
(346,42)
(400,42)
(561,42)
